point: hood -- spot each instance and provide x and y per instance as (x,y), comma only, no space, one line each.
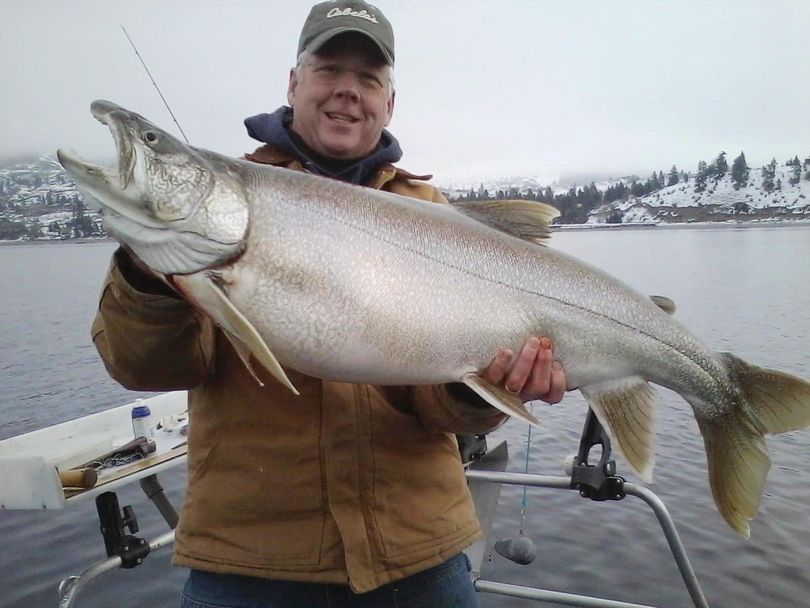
(274,129)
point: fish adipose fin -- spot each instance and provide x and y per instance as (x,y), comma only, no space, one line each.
(664,303)
(772,402)
(626,409)
(498,397)
(527,220)
(210,297)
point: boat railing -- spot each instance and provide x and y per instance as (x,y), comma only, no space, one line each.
(41,487)
(596,481)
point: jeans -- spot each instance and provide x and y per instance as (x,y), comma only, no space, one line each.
(447,585)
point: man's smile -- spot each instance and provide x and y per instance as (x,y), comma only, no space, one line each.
(341,117)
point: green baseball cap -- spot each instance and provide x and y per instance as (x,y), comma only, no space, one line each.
(329,19)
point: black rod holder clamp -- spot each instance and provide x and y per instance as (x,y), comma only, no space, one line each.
(596,481)
(131,549)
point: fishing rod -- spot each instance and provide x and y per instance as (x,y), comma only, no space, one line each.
(157,88)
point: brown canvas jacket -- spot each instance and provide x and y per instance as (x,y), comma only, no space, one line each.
(346,483)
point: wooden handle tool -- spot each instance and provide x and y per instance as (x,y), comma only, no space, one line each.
(78,478)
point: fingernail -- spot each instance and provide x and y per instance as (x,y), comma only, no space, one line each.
(545,343)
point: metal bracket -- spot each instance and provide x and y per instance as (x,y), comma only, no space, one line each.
(599,481)
(131,549)
(471,448)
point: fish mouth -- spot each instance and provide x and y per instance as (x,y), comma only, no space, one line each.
(115,117)
(88,174)
(104,187)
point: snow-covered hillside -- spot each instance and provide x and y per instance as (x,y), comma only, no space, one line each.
(718,202)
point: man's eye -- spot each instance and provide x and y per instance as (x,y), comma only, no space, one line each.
(370,80)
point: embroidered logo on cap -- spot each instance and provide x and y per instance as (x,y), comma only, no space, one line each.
(348,12)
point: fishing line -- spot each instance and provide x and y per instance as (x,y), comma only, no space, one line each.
(526,470)
(157,88)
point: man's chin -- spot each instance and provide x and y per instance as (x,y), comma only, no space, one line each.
(343,151)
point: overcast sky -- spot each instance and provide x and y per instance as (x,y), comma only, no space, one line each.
(543,88)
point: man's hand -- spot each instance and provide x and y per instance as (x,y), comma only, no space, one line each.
(532,374)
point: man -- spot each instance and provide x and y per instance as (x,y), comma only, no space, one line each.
(348,495)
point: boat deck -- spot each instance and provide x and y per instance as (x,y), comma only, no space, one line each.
(33,465)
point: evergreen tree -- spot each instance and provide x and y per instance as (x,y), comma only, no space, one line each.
(739,171)
(720,166)
(796,174)
(700,176)
(767,178)
(673,176)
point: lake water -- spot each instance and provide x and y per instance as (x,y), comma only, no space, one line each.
(741,290)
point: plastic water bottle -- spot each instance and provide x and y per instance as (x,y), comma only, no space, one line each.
(141,420)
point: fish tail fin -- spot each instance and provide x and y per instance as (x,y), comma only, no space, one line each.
(771,402)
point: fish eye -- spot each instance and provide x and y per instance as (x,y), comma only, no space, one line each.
(150,137)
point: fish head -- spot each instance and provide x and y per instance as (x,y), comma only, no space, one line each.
(179,208)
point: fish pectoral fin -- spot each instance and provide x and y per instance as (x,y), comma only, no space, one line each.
(207,294)
(626,409)
(498,397)
(664,303)
(527,220)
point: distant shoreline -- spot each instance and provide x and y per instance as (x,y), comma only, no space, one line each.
(683,225)
(554,228)
(53,241)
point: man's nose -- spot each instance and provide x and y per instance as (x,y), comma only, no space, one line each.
(348,86)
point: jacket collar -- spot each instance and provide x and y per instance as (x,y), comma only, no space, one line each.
(384,173)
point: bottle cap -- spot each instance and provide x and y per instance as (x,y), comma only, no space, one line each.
(140,411)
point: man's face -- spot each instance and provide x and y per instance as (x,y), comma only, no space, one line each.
(341,99)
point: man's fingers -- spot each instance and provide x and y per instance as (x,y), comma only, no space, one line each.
(540,380)
(558,384)
(499,367)
(523,366)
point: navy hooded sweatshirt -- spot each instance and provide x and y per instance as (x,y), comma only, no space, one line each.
(274,129)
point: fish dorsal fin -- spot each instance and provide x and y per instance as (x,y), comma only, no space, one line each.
(500,398)
(210,297)
(527,220)
(664,303)
(626,409)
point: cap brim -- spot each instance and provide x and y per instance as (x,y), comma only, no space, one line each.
(325,37)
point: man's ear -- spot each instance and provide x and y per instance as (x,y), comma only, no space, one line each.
(291,87)
(390,108)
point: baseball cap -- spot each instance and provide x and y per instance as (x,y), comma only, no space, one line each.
(328,19)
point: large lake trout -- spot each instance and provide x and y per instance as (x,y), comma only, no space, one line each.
(356,285)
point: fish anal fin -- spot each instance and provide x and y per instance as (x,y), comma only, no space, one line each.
(626,409)
(527,220)
(498,397)
(211,299)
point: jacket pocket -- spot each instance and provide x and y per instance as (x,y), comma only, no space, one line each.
(420,496)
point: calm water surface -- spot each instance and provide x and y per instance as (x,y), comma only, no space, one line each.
(742,290)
